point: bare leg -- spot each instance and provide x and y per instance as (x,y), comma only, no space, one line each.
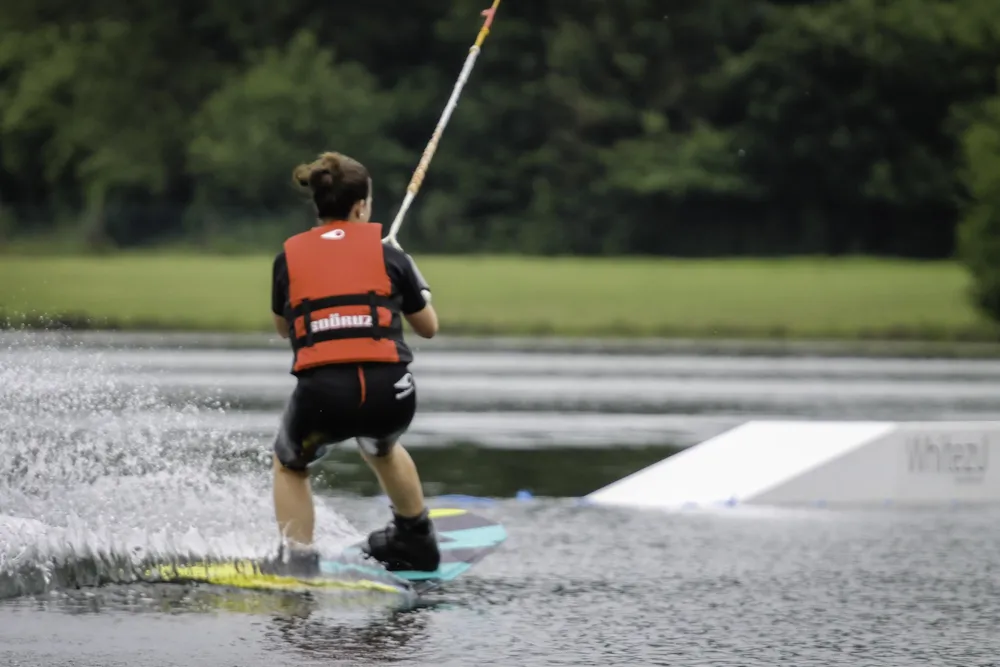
(293,505)
(409,541)
(399,479)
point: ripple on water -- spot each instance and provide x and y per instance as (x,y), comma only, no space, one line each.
(98,466)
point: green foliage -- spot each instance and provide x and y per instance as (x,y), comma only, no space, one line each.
(96,109)
(980,230)
(846,118)
(302,102)
(686,127)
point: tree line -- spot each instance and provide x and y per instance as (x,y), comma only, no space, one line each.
(671,127)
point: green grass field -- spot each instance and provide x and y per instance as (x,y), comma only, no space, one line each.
(801,298)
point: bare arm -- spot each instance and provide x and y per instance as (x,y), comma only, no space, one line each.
(424,321)
(416,293)
(280,325)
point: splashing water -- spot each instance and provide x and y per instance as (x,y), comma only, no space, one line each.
(98,477)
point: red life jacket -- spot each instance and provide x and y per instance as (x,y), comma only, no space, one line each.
(338,290)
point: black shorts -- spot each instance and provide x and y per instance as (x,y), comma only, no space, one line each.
(372,403)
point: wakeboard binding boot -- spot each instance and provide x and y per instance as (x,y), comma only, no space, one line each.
(291,562)
(407,543)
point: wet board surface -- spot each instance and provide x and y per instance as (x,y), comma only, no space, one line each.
(464,538)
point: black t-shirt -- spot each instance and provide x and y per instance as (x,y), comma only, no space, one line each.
(408,286)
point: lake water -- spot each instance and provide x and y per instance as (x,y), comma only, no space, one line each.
(111,451)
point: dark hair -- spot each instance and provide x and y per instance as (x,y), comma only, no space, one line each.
(336,182)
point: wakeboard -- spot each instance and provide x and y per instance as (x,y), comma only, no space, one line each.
(465,538)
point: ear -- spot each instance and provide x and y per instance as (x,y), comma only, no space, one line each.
(358,210)
(362,211)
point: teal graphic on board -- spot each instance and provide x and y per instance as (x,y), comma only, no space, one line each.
(464,538)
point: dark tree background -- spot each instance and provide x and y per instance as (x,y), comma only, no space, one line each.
(672,127)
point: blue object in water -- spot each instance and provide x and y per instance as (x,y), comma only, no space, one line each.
(453,499)
(524,494)
(458,498)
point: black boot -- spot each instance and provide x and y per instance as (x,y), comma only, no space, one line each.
(298,563)
(406,544)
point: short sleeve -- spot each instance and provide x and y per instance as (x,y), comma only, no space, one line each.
(408,280)
(279,284)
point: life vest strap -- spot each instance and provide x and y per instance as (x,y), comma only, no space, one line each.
(371,298)
(344,334)
(374,301)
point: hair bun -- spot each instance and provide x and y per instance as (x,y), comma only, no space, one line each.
(336,181)
(321,177)
(332,163)
(301,175)
(323,173)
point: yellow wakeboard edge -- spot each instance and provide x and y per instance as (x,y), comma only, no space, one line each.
(231,574)
(441,512)
(247,574)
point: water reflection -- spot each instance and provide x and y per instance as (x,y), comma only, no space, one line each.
(560,472)
(353,627)
(103,449)
(389,636)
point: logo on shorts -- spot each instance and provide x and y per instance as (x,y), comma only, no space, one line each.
(405,386)
(336,321)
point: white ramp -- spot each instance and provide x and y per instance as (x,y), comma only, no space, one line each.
(794,463)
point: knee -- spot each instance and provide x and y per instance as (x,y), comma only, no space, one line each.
(375,448)
(294,455)
(288,467)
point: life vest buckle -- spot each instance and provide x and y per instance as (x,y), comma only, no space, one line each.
(306,306)
(372,305)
